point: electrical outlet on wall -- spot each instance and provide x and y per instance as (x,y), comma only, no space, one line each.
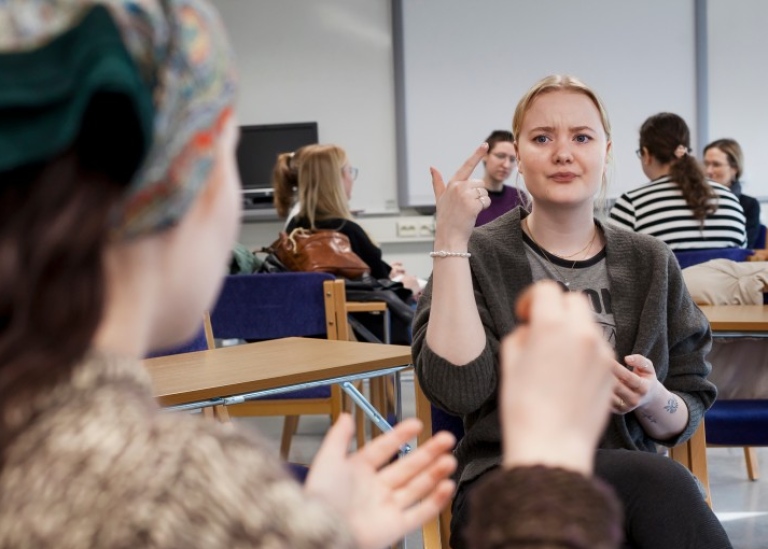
(427,229)
(407,229)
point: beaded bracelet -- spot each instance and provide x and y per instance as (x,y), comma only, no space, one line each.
(443,253)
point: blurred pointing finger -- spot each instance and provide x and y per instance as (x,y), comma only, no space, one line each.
(437,183)
(471,163)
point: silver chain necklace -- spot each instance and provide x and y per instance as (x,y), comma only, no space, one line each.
(565,280)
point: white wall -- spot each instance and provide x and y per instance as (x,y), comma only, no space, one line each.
(738,80)
(328,61)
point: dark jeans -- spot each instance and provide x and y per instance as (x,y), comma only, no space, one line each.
(663,506)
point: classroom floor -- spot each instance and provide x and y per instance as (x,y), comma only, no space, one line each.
(741,504)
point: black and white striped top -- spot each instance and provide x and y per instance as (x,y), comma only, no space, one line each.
(659,209)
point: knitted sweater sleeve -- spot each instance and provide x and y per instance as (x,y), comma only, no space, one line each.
(463,389)
(543,508)
(690,341)
(459,389)
(230,491)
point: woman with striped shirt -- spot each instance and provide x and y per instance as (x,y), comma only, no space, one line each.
(679,206)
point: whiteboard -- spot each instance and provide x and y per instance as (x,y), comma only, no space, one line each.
(464,65)
(737,48)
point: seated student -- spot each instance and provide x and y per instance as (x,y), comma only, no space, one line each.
(660,391)
(679,206)
(499,163)
(724,164)
(110,252)
(324,179)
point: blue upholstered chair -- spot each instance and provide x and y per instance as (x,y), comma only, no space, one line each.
(197,343)
(258,307)
(739,423)
(686,258)
(760,242)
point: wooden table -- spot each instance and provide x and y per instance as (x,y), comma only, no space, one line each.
(230,375)
(737,320)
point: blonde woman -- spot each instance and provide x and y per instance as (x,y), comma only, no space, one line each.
(324,179)
(637,295)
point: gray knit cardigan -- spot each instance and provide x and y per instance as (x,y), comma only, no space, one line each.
(655,317)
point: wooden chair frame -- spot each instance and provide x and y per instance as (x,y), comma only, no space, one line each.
(337,328)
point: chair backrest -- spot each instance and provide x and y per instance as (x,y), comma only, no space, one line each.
(686,258)
(197,343)
(760,240)
(271,306)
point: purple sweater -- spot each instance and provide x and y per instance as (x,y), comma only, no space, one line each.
(508,198)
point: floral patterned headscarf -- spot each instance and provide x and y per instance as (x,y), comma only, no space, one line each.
(182,56)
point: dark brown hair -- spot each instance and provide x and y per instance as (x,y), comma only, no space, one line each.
(662,135)
(55,227)
(499,136)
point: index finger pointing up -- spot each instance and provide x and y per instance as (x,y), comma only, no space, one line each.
(463,173)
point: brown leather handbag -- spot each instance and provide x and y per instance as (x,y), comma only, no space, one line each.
(320,250)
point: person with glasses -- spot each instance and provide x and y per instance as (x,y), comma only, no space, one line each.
(500,162)
(679,206)
(724,164)
(324,179)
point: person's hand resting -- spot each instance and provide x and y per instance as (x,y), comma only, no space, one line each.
(557,382)
(382,501)
(635,386)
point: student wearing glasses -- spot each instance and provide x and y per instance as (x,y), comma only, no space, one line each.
(500,162)
(679,206)
(724,164)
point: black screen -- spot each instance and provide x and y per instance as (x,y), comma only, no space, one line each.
(259,147)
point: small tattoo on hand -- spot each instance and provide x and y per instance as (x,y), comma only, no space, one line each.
(671,406)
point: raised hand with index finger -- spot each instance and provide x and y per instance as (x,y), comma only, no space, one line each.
(458,203)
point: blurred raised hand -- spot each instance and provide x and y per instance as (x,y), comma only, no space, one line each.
(458,203)
(380,499)
(557,381)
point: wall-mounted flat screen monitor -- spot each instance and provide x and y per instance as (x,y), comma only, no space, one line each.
(257,153)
